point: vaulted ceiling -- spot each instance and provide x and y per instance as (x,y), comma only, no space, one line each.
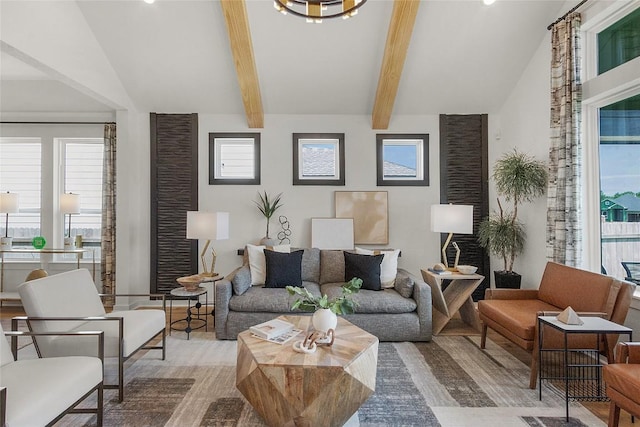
(181,56)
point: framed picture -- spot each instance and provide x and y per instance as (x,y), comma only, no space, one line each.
(370,213)
(234,158)
(332,233)
(402,159)
(318,159)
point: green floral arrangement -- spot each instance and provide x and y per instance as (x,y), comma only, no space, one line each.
(339,305)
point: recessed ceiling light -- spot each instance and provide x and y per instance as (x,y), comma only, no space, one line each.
(150,1)
(487,2)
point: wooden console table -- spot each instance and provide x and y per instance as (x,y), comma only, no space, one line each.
(455,298)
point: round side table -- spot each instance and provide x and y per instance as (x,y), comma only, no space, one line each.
(189,295)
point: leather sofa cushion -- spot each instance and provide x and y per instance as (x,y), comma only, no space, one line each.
(625,378)
(367,301)
(518,316)
(268,300)
(564,286)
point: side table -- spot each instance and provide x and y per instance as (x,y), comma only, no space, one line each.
(581,370)
(455,298)
(189,295)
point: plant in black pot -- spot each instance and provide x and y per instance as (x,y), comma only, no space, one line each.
(519,178)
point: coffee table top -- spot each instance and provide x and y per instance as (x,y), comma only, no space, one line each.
(349,343)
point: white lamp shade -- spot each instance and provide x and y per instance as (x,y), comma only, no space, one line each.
(9,202)
(70,203)
(452,219)
(207,225)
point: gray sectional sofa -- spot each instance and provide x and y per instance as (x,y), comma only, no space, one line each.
(401,313)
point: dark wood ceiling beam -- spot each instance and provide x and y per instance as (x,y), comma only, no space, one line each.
(395,53)
(235,15)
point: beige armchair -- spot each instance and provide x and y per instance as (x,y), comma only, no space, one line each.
(70,302)
(623,381)
(38,392)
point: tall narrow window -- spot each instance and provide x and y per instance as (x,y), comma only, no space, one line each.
(620,184)
(20,172)
(82,174)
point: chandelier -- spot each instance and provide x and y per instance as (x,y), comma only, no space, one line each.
(316,10)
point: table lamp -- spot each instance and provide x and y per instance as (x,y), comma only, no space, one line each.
(210,226)
(69,205)
(451,219)
(8,204)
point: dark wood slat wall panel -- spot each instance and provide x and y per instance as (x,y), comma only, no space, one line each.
(174,191)
(464,180)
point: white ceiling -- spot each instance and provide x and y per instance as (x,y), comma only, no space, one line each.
(174,56)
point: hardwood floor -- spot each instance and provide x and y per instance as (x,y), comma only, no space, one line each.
(600,409)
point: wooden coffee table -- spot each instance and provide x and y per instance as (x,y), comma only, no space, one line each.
(321,389)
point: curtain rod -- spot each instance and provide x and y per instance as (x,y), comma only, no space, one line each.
(58,123)
(573,9)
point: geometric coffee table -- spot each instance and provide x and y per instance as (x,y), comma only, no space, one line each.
(324,388)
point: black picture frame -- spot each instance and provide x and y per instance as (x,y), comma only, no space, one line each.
(220,137)
(422,160)
(337,178)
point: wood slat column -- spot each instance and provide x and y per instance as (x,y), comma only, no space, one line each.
(174,191)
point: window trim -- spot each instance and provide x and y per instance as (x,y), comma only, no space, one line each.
(214,161)
(422,160)
(299,139)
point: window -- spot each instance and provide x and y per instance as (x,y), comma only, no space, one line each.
(619,43)
(234,158)
(82,175)
(20,172)
(318,159)
(39,165)
(402,159)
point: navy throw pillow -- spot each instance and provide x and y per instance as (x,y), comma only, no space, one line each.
(365,267)
(283,269)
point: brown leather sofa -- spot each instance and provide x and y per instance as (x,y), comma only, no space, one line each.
(513,312)
(623,381)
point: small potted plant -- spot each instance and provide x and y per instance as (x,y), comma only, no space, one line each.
(268,206)
(325,310)
(519,178)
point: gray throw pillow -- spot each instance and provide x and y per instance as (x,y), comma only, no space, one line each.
(241,280)
(311,265)
(404,285)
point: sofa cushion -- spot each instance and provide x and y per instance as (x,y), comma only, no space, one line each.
(241,280)
(561,284)
(311,265)
(365,267)
(257,262)
(388,267)
(623,377)
(331,266)
(403,284)
(518,316)
(367,301)
(269,300)
(283,269)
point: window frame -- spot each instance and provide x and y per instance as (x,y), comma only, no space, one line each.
(422,159)
(302,139)
(215,159)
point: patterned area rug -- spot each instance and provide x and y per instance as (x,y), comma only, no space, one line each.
(447,382)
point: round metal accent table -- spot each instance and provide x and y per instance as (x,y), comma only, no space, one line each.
(199,318)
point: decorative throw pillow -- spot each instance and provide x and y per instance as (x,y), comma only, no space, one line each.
(389,266)
(365,267)
(283,269)
(257,263)
(241,280)
(331,266)
(404,285)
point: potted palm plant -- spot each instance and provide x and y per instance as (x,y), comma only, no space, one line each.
(519,178)
(268,206)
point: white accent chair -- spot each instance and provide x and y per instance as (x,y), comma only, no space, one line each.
(38,392)
(70,302)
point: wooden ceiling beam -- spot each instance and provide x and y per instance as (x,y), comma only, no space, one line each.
(395,52)
(235,15)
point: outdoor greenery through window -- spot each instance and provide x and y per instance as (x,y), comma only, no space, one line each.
(620,184)
(619,42)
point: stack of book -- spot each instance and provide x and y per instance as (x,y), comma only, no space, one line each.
(275,330)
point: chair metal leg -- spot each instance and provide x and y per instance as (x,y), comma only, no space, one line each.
(164,343)
(100,408)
